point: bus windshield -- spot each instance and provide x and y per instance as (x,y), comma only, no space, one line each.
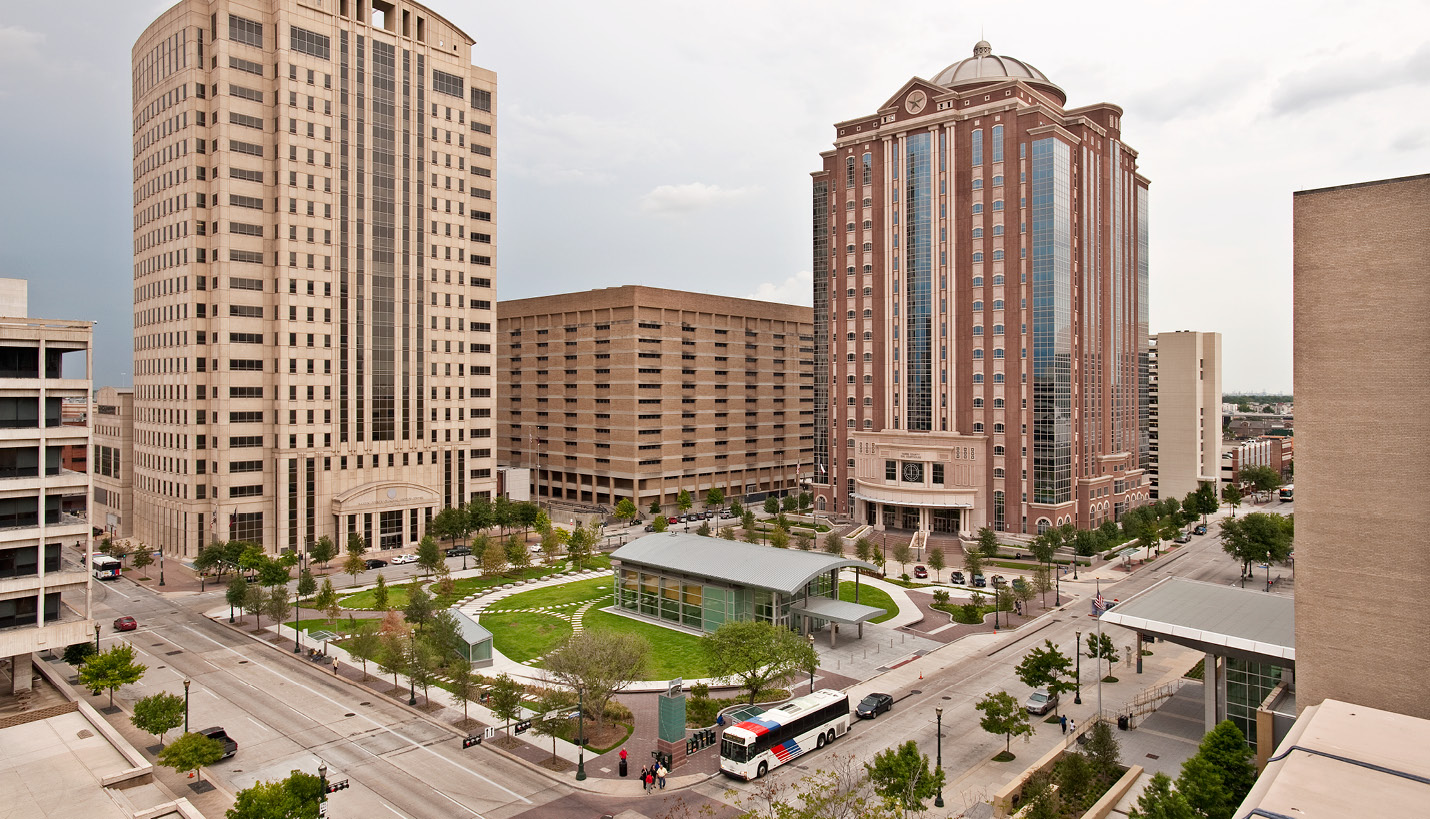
(734,751)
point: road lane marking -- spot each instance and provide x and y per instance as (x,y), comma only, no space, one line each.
(118,592)
(259,724)
(394,810)
(414,743)
(458,804)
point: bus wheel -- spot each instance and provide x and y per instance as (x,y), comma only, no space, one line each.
(820,742)
(831,736)
(762,770)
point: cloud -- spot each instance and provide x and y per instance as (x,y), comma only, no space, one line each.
(1208,94)
(692,196)
(569,148)
(797,289)
(18,45)
(1409,141)
(1342,77)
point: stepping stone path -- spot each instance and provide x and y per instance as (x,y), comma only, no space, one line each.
(572,612)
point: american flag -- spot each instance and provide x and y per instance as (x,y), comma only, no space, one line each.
(1100,604)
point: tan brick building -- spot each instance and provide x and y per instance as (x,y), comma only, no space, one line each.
(1185,418)
(981,284)
(639,392)
(112,508)
(1362,298)
(313,272)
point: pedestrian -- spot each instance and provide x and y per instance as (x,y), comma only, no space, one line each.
(335,668)
(1072,725)
(644,786)
(649,780)
(660,773)
(1064,720)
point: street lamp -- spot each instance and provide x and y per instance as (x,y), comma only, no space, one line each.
(411,680)
(323,780)
(96,638)
(186,705)
(297,625)
(580,735)
(1077,698)
(161,565)
(938,711)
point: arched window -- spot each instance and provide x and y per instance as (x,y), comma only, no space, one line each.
(868,224)
(978,184)
(868,402)
(849,172)
(997,255)
(978,329)
(977,403)
(997,329)
(998,403)
(978,208)
(978,233)
(997,304)
(998,450)
(998,352)
(997,180)
(851,423)
(851,378)
(997,230)
(850,314)
(868,313)
(1043,525)
(849,227)
(868,336)
(868,424)
(998,428)
(998,279)
(868,291)
(978,257)
(977,281)
(867,357)
(851,463)
(977,427)
(998,378)
(998,472)
(997,204)
(977,306)
(850,358)
(868,379)
(868,268)
(868,246)
(978,355)
(851,400)
(978,378)
(851,293)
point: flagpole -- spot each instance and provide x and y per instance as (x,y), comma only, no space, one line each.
(1099,648)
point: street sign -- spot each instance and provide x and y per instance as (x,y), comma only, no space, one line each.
(489,732)
(672,688)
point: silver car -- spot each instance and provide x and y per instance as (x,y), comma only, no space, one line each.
(1041,701)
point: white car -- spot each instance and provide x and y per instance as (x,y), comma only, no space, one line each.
(398,560)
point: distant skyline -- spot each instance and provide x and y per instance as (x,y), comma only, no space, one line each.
(670,145)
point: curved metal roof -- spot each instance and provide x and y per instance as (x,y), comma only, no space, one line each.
(733,561)
(986,67)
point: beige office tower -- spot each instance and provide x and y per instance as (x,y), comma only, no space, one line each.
(1362,296)
(1185,419)
(313,272)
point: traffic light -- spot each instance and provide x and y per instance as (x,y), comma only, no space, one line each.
(470,741)
(340,785)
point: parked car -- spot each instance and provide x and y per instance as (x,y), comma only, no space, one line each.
(1041,701)
(921,572)
(125,624)
(1019,584)
(979,581)
(998,581)
(229,746)
(1184,537)
(672,520)
(874,705)
(374,563)
(459,551)
(1199,529)
(399,560)
(650,527)
(956,578)
(726,513)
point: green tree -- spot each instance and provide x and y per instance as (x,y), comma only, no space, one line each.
(79,653)
(273,573)
(1047,667)
(903,555)
(756,653)
(1257,537)
(191,752)
(580,545)
(727,532)
(551,715)
(1159,801)
(143,560)
(655,506)
(1104,755)
(326,600)
(1226,750)
(625,510)
(1260,478)
(419,606)
(737,509)
(236,595)
(1002,714)
(600,664)
(972,563)
(251,558)
(505,700)
(1170,531)
(804,542)
(552,542)
(714,498)
(449,524)
(209,559)
(752,534)
(1044,546)
(789,503)
(465,684)
(393,637)
(833,543)
(1100,647)
(158,714)
(659,524)
(307,584)
(806,501)
(380,593)
(255,602)
(364,644)
(1085,542)
(779,537)
(936,561)
(429,554)
(1231,493)
(683,501)
(297,797)
(479,515)
(355,564)
(1201,786)
(988,542)
(1111,533)
(322,550)
(445,635)
(277,603)
(424,661)
(517,555)
(494,558)
(771,505)
(904,776)
(704,529)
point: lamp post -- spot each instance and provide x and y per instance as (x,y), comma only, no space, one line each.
(812,665)
(580,735)
(323,780)
(1077,698)
(411,681)
(161,565)
(186,705)
(96,638)
(938,711)
(297,625)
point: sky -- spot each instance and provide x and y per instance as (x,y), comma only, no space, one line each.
(670,143)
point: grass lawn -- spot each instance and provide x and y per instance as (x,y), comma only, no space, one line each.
(396,598)
(869,596)
(340,625)
(578,591)
(524,637)
(673,653)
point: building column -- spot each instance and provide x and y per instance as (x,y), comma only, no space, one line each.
(1213,688)
(1138,646)
(21,665)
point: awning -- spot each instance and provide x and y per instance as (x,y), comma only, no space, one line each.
(928,502)
(837,611)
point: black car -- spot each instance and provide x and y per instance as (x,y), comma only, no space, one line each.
(459,551)
(874,705)
(956,578)
(979,581)
(374,563)
(218,734)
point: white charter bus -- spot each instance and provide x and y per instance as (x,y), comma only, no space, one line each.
(751,748)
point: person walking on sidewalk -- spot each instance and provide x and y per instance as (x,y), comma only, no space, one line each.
(1072,725)
(1064,720)
(660,773)
(649,780)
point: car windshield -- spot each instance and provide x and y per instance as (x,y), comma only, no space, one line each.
(869,702)
(1038,696)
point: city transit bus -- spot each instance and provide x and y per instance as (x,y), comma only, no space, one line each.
(105,567)
(776,736)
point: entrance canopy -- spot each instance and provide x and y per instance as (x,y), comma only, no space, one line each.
(836,611)
(1215,619)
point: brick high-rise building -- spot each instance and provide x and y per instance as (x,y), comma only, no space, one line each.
(639,392)
(313,272)
(1362,295)
(980,307)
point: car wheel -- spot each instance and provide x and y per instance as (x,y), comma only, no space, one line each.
(762,770)
(819,743)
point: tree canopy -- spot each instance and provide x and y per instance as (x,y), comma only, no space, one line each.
(191,752)
(158,714)
(757,654)
(1003,714)
(1257,537)
(600,664)
(110,669)
(903,776)
(296,797)
(1047,667)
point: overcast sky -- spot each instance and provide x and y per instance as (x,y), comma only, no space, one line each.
(670,143)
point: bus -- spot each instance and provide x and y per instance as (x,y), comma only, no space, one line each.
(105,567)
(751,748)
(1288,493)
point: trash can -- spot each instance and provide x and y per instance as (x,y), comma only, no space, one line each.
(623,766)
(1122,722)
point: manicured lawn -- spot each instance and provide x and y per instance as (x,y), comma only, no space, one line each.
(396,598)
(673,653)
(869,596)
(578,591)
(524,637)
(339,626)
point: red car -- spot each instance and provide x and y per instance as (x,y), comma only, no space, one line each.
(672,521)
(125,624)
(921,573)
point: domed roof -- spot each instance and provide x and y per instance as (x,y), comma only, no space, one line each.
(985,67)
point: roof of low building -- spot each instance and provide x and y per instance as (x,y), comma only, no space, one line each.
(733,561)
(838,611)
(1225,620)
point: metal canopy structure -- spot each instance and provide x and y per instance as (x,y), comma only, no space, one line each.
(836,611)
(1221,620)
(754,565)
